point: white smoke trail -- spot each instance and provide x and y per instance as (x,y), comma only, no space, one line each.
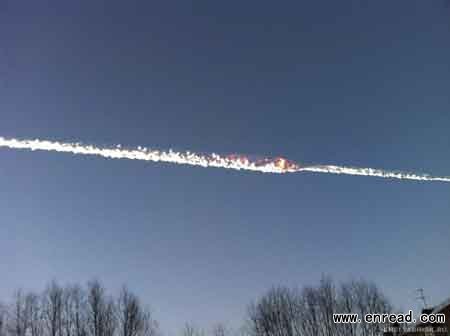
(146,154)
(237,162)
(330,169)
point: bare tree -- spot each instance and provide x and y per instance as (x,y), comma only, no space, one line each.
(96,307)
(286,312)
(133,318)
(309,314)
(281,311)
(3,317)
(18,315)
(109,318)
(275,313)
(220,329)
(327,306)
(52,306)
(72,311)
(68,313)
(79,308)
(368,299)
(190,329)
(34,314)
(130,314)
(101,315)
(347,306)
(151,327)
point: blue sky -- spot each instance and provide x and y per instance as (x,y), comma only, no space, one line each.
(351,83)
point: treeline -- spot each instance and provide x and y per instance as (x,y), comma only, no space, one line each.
(75,311)
(284,311)
(281,311)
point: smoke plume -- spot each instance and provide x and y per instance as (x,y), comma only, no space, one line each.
(238,162)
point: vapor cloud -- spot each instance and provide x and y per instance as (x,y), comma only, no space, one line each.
(237,162)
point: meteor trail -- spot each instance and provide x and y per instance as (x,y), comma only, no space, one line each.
(237,162)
